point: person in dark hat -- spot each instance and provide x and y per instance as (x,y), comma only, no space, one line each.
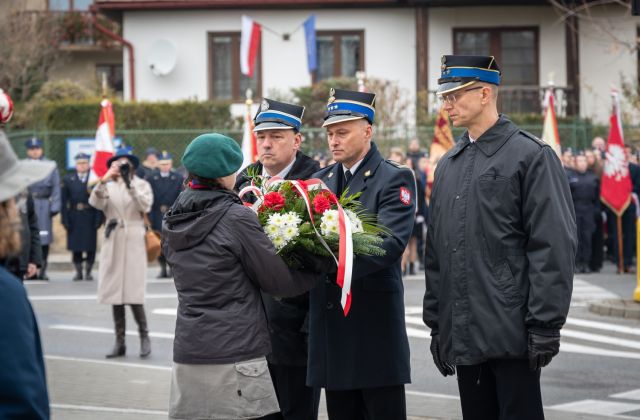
(364,384)
(221,260)
(80,219)
(500,251)
(46,199)
(166,185)
(277,127)
(124,198)
(149,164)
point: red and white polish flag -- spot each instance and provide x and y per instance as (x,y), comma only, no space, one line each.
(104,149)
(249,45)
(550,134)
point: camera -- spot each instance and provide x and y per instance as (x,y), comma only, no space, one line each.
(125,170)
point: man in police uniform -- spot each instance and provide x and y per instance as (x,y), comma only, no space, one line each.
(149,165)
(277,128)
(500,251)
(80,219)
(166,184)
(46,198)
(362,359)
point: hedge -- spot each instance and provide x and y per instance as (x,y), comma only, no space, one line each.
(83,115)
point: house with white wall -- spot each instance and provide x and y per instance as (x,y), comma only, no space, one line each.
(401,41)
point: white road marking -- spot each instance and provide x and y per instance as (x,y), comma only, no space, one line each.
(166,311)
(81,328)
(109,409)
(106,362)
(414,332)
(628,395)
(598,338)
(595,351)
(601,407)
(432,395)
(94,297)
(603,326)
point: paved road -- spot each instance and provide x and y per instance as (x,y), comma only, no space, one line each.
(596,376)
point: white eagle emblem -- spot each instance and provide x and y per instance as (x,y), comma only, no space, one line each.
(264,106)
(615,165)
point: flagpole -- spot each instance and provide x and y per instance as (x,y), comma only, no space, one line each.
(620,261)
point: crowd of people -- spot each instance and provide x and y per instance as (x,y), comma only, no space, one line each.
(597,224)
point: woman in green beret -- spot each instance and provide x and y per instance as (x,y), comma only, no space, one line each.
(221,259)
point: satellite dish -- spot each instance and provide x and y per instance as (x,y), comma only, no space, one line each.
(162,57)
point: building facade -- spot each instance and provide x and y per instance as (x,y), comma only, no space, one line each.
(398,41)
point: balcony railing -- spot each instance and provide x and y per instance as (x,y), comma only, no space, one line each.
(529,100)
(76,29)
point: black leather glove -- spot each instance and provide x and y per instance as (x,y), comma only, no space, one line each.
(313,262)
(445,368)
(542,348)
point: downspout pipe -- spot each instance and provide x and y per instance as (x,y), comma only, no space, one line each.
(127,44)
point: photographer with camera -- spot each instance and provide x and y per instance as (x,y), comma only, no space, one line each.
(124,198)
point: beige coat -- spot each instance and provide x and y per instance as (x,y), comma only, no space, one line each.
(123,257)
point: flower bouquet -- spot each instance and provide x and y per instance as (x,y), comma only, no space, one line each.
(304,216)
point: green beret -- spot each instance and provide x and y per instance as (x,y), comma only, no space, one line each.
(212,156)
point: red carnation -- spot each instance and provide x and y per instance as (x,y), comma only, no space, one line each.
(321,204)
(332,197)
(274,201)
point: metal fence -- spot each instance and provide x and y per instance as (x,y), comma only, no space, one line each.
(577,135)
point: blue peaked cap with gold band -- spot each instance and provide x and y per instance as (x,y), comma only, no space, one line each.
(274,115)
(460,71)
(347,105)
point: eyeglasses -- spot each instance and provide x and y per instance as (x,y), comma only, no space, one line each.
(451,98)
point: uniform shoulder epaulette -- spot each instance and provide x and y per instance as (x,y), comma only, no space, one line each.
(532,137)
(396,164)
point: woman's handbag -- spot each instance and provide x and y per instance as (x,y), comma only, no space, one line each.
(151,240)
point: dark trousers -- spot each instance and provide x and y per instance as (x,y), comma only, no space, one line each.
(385,403)
(45,255)
(503,389)
(597,244)
(78,258)
(297,401)
(585,227)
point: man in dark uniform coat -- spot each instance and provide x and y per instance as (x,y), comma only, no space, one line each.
(46,198)
(500,251)
(166,184)
(80,219)
(362,359)
(277,128)
(585,191)
(149,165)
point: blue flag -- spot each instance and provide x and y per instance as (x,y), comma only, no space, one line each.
(310,40)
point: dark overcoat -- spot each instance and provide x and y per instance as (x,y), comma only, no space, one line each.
(78,217)
(287,317)
(165,191)
(46,198)
(501,245)
(369,347)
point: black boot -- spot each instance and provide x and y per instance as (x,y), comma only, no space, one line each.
(141,319)
(43,272)
(88,275)
(119,349)
(163,268)
(78,275)
(412,269)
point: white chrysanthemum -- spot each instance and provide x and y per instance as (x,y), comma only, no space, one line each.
(271,230)
(276,219)
(356,223)
(278,241)
(330,216)
(290,232)
(291,219)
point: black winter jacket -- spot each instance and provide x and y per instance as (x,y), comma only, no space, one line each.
(221,259)
(501,246)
